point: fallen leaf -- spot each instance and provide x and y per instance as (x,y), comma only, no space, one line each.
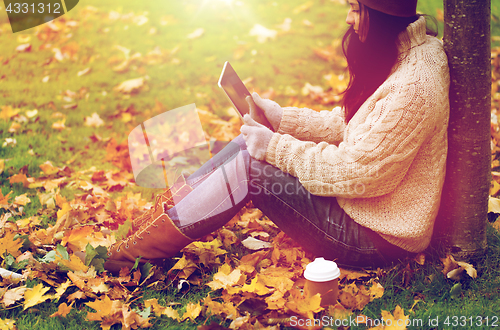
(22,199)
(471,271)
(192,312)
(449,264)
(8,324)
(155,306)
(255,244)
(172,313)
(23,48)
(494,205)
(10,246)
(11,296)
(62,310)
(60,290)
(77,239)
(225,278)
(196,33)
(94,120)
(101,306)
(20,177)
(396,321)
(262,33)
(59,125)
(35,296)
(303,305)
(131,85)
(83,72)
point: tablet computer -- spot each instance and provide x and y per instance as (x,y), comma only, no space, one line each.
(234,89)
(237,93)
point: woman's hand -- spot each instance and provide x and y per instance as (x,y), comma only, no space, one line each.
(257,137)
(271,109)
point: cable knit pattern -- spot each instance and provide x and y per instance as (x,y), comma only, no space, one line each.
(387,166)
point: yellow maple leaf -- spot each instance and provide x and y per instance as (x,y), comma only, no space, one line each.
(62,310)
(256,286)
(59,125)
(172,313)
(398,321)
(276,300)
(354,298)
(77,239)
(155,306)
(102,307)
(225,278)
(192,311)
(65,208)
(375,291)
(35,296)
(74,263)
(9,245)
(217,308)
(22,200)
(304,305)
(186,266)
(7,112)
(7,324)
(48,168)
(62,288)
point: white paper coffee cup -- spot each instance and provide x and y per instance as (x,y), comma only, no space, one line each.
(323,277)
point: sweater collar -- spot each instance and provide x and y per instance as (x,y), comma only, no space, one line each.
(414,35)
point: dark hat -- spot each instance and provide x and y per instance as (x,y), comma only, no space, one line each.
(401,8)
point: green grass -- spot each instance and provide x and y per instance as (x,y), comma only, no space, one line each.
(190,76)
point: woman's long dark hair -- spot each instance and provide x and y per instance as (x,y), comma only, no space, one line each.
(370,62)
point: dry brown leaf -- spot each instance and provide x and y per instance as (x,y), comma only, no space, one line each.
(255,244)
(449,264)
(11,296)
(131,85)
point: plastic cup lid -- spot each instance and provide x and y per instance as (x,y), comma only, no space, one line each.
(321,270)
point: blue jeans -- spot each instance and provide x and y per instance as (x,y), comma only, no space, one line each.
(232,178)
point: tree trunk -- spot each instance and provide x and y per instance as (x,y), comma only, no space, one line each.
(461,223)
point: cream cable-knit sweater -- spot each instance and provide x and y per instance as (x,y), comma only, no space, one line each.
(387,166)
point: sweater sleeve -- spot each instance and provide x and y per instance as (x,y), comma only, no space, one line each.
(377,150)
(310,125)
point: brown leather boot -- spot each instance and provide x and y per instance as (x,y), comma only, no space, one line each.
(155,238)
(178,191)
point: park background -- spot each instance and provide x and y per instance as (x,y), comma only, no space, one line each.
(71,92)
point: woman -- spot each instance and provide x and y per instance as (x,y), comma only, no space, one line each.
(360,186)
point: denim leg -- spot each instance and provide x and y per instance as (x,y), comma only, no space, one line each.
(317,223)
(220,191)
(230,179)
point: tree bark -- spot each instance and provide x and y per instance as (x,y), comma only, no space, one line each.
(461,223)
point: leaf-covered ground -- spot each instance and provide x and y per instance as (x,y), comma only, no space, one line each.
(73,89)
